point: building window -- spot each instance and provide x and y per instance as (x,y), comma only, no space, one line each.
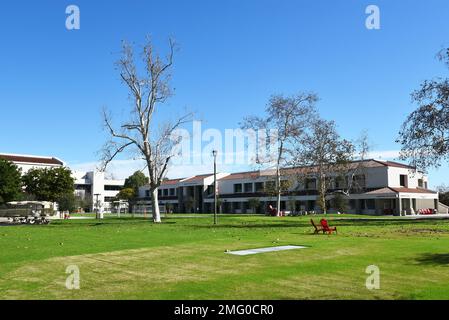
(259,186)
(248,187)
(165,192)
(368,204)
(210,189)
(159,192)
(352,204)
(359,182)
(339,183)
(112,188)
(420,183)
(311,184)
(172,191)
(285,185)
(403,180)
(270,185)
(238,188)
(147,193)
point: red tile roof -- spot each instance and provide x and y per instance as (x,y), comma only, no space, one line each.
(395,164)
(410,190)
(170,182)
(400,190)
(242,175)
(197,178)
(31,159)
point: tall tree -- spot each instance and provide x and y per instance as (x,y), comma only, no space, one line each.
(325,156)
(151,140)
(127,194)
(357,169)
(68,202)
(254,204)
(425,133)
(49,184)
(289,117)
(10,181)
(135,181)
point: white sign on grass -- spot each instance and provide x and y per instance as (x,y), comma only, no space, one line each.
(264,250)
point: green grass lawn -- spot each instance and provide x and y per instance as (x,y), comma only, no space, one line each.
(184,258)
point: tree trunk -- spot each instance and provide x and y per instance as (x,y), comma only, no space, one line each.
(322,192)
(323,201)
(278,187)
(155,203)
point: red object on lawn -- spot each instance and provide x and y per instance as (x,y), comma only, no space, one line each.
(273,212)
(318,228)
(326,227)
(426,211)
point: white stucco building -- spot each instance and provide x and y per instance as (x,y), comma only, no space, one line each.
(94,185)
(384,187)
(27,162)
(91,185)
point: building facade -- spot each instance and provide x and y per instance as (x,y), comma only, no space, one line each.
(98,189)
(28,162)
(383,187)
(93,186)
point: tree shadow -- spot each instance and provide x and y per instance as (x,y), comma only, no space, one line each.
(306,223)
(106,222)
(434,259)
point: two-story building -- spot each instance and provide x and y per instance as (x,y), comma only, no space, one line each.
(92,185)
(382,187)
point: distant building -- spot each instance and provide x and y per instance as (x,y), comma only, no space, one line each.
(95,186)
(27,162)
(384,187)
(92,185)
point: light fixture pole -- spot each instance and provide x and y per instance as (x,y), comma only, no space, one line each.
(214,153)
(97,209)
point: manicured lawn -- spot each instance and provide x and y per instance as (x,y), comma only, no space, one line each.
(184,258)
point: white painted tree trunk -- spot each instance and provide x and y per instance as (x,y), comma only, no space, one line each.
(278,182)
(155,203)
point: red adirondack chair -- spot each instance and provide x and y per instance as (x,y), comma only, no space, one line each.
(318,228)
(326,227)
(272,211)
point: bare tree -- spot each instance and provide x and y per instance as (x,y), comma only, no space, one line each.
(289,117)
(425,133)
(323,155)
(357,168)
(141,134)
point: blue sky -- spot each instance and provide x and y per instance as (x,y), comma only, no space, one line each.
(233,55)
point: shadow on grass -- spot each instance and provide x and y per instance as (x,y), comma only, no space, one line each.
(105,222)
(434,259)
(306,224)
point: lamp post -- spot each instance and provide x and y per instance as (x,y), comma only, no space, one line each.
(97,209)
(214,153)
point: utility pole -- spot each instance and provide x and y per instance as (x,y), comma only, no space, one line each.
(97,209)
(214,153)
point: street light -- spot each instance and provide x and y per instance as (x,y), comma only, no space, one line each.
(97,213)
(214,153)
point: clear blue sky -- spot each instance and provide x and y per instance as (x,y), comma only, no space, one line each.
(234,55)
